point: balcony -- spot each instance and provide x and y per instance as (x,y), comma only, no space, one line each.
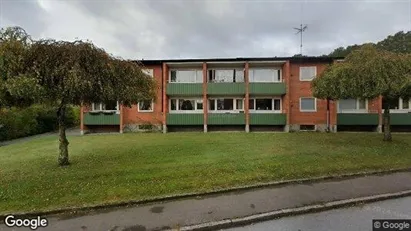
(101,118)
(184,89)
(226,88)
(268,119)
(226,119)
(267,88)
(400,118)
(185,119)
(357,119)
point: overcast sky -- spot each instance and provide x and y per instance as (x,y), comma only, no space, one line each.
(159,29)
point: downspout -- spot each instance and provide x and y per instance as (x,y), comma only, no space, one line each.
(328,115)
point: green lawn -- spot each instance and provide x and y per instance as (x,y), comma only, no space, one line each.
(110,168)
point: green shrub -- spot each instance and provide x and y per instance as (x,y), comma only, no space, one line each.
(37,119)
(72,116)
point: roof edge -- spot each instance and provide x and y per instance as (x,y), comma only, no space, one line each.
(241,59)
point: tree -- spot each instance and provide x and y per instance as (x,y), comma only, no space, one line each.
(397,43)
(367,73)
(14,44)
(75,73)
(342,52)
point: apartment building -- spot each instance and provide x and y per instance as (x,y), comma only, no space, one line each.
(240,94)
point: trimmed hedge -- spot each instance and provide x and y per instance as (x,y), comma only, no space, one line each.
(16,123)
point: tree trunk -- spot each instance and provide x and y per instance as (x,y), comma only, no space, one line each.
(387,124)
(63,159)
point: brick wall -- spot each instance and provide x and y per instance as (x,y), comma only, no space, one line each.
(132,116)
(299,89)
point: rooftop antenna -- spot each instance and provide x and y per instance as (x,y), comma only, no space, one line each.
(301,31)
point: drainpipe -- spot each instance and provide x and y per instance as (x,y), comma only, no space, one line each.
(328,115)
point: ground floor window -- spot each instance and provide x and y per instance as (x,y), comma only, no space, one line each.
(308,104)
(226,104)
(397,103)
(352,105)
(265,104)
(106,106)
(145,106)
(187,105)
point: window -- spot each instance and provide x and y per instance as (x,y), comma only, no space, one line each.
(226,104)
(186,76)
(96,107)
(186,105)
(239,104)
(308,73)
(350,105)
(110,106)
(145,106)
(227,76)
(397,103)
(308,104)
(107,106)
(148,72)
(405,103)
(265,104)
(305,127)
(264,75)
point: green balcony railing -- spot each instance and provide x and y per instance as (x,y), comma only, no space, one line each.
(357,119)
(226,88)
(184,89)
(226,119)
(268,119)
(400,118)
(185,119)
(267,88)
(101,118)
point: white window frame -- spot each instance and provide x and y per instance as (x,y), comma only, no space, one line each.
(266,111)
(178,111)
(101,107)
(177,70)
(401,107)
(148,71)
(152,107)
(307,80)
(274,80)
(235,110)
(357,106)
(224,69)
(315,104)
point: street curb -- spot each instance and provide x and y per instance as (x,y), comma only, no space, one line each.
(235,222)
(202,194)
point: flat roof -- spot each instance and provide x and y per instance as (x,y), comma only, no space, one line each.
(303,59)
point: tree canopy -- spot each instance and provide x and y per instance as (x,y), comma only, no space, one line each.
(397,43)
(366,73)
(66,73)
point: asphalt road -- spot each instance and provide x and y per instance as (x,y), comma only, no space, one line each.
(197,210)
(352,218)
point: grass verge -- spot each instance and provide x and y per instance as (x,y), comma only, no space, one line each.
(110,168)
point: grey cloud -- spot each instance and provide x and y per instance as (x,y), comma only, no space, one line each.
(24,13)
(227,28)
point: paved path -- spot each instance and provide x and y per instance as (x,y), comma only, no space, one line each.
(356,218)
(240,204)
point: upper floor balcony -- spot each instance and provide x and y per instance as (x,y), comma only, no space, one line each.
(226,81)
(185,82)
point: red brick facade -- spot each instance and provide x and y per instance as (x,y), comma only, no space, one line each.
(295,89)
